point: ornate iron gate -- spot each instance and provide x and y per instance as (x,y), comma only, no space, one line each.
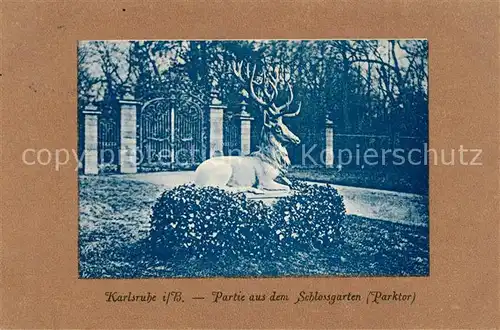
(108,145)
(232,133)
(171,134)
(189,140)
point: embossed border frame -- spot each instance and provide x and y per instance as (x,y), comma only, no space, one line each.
(40,285)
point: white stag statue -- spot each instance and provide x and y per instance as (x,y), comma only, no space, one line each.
(259,170)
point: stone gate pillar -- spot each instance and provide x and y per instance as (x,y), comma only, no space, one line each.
(216,124)
(246,125)
(128,133)
(329,152)
(91,122)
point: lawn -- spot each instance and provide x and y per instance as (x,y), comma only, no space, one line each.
(114,223)
(400,180)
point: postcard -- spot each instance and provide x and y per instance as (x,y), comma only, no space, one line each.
(248,158)
(249,165)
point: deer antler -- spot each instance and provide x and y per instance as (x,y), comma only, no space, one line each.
(270,82)
(278,110)
(293,114)
(250,80)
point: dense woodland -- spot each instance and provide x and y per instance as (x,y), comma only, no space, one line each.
(363,86)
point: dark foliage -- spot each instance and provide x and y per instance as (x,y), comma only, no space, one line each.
(205,223)
(209,223)
(310,217)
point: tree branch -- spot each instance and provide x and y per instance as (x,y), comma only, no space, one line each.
(367,60)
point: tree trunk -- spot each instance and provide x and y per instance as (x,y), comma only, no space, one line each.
(345,78)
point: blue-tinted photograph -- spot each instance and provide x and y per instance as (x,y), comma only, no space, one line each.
(253,158)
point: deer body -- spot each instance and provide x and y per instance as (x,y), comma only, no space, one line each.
(254,172)
(246,173)
(258,171)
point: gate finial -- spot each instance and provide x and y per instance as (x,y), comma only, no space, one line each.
(128,92)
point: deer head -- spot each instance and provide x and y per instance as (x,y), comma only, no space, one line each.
(265,93)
